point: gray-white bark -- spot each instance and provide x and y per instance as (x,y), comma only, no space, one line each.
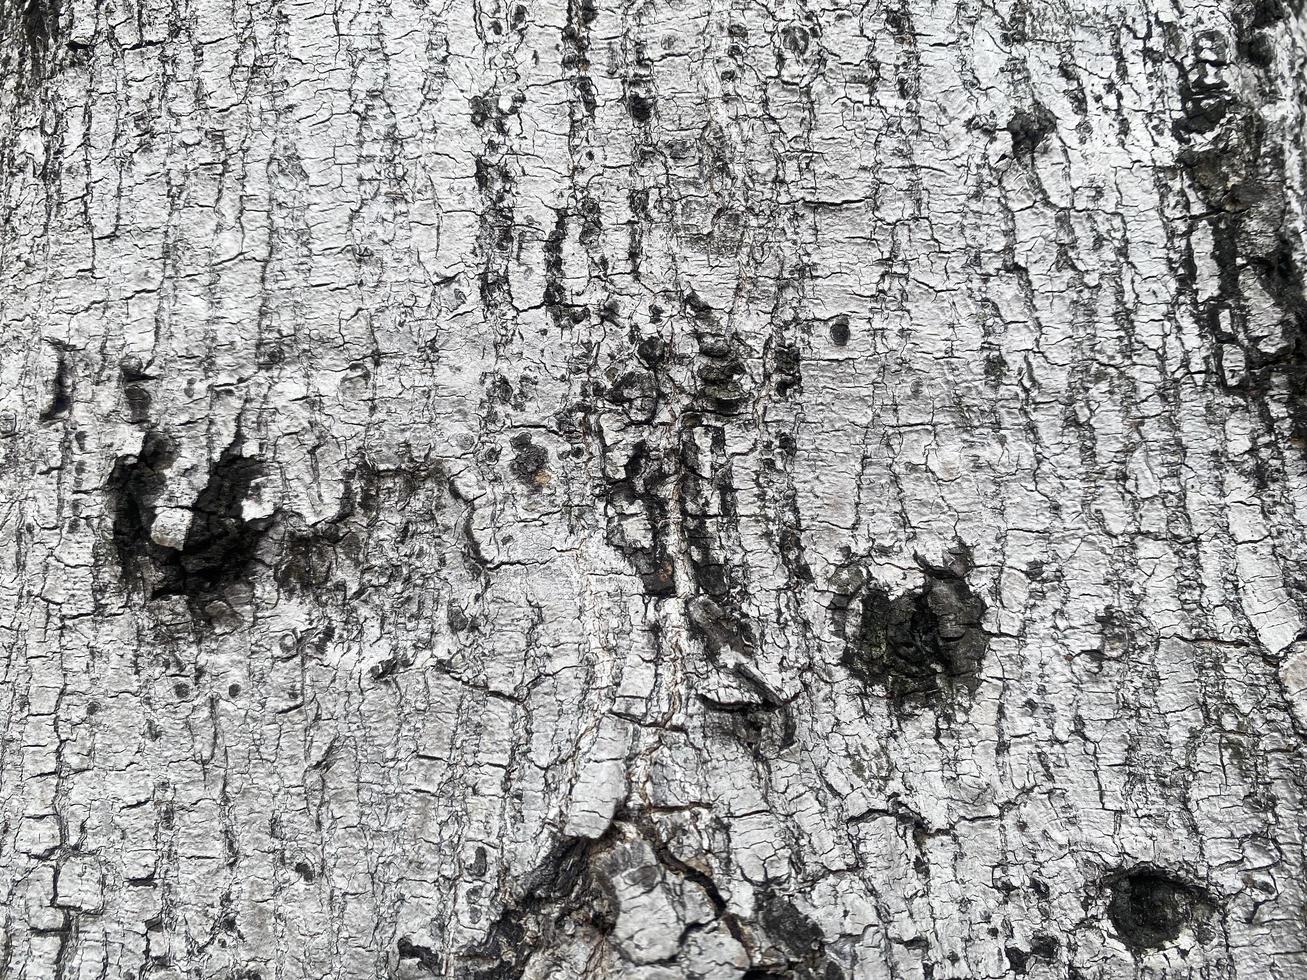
(694,488)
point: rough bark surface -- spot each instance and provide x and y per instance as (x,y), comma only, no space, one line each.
(695,488)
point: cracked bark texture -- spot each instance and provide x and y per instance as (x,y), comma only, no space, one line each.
(696,488)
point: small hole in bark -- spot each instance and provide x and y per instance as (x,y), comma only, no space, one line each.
(839,330)
(1149,908)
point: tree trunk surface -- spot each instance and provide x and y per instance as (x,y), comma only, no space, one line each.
(693,488)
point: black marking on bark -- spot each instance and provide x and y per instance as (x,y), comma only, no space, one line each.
(134,485)
(640,493)
(388,668)
(1150,907)
(800,941)
(838,328)
(133,378)
(61,399)
(576,54)
(636,392)
(495,182)
(719,366)
(1254,42)
(922,647)
(427,958)
(786,369)
(529,461)
(563,885)
(721,630)
(28,28)
(1029,128)
(1205,96)
(220,544)
(555,298)
(1042,947)
(729,640)
(790,545)
(640,107)
(1238,169)
(308,559)
(1282,278)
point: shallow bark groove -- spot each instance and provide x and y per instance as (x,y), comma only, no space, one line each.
(653,490)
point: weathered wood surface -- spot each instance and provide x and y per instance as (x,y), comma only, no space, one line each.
(652,490)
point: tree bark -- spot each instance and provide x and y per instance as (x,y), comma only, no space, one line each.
(652,489)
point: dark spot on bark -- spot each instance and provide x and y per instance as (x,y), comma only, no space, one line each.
(495,182)
(699,308)
(592,225)
(478,866)
(389,667)
(425,956)
(718,370)
(555,298)
(921,647)
(1029,128)
(563,886)
(133,488)
(1281,277)
(637,392)
(1254,41)
(34,25)
(996,368)
(792,554)
(1205,96)
(308,559)
(799,947)
(457,619)
(838,327)
(786,369)
(498,389)
(899,21)
(638,497)
(60,396)
(1149,908)
(133,379)
(233,690)
(651,351)
(1042,947)
(640,107)
(795,39)
(220,544)
(528,463)
(484,109)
